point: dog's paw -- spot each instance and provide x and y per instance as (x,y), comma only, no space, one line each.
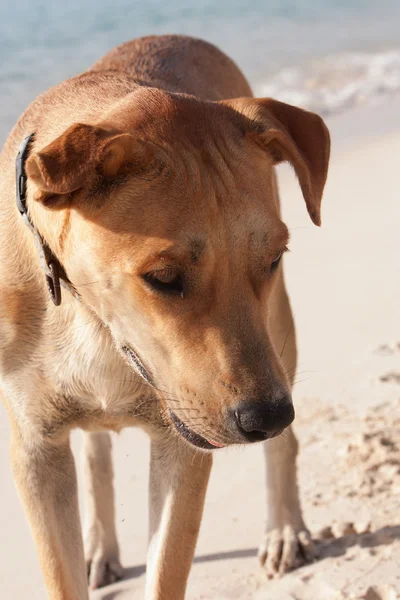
(103,570)
(102,556)
(284,549)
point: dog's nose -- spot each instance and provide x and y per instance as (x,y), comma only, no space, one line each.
(260,420)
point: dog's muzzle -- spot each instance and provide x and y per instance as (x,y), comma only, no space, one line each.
(191,436)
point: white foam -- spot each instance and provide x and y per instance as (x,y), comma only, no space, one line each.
(337,82)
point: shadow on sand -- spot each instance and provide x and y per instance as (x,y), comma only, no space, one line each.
(327,548)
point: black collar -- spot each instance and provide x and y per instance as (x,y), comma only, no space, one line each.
(53,270)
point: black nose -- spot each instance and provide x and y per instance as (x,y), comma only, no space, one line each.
(262,419)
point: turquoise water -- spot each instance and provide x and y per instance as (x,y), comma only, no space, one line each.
(42,43)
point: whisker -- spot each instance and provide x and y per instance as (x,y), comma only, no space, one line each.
(84,324)
(286,339)
(78,285)
(198,419)
(301,381)
(183,410)
(302,372)
(186,409)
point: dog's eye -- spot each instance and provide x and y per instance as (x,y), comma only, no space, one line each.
(168,281)
(276,261)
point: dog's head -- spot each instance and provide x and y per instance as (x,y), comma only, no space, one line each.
(165,216)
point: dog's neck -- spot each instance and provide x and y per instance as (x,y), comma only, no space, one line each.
(53,270)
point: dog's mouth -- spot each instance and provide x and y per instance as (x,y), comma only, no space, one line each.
(191,436)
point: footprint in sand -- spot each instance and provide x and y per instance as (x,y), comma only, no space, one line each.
(391,377)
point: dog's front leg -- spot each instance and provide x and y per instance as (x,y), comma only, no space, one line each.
(287,543)
(101,545)
(44,473)
(178,482)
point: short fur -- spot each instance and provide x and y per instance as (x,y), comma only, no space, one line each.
(155,162)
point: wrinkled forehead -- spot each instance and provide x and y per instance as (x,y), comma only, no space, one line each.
(192,200)
(186,237)
(192,247)
(157,115)
(213,183)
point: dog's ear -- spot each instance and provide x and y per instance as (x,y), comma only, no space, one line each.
(82,151)
(294,135)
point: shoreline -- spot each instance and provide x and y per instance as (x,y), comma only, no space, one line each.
(338,82)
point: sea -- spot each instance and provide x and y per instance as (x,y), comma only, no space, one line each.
(325,55)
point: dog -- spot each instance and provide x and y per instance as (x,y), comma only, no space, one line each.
(147,290)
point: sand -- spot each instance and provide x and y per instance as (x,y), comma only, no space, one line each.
(344,282)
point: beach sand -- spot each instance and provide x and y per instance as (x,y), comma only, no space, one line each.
(344,283)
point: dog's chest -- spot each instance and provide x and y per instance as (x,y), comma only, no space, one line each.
(98,387)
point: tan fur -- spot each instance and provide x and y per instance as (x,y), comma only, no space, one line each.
(139,166)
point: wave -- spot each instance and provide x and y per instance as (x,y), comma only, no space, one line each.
(337,82)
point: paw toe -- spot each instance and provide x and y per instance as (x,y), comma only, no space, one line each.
(285,549)
(102,572)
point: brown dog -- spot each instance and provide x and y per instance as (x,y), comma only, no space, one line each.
(153,197)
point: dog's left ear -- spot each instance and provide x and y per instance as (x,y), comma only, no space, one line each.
(294,135)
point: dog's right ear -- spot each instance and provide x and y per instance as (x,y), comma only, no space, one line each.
(80,153)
